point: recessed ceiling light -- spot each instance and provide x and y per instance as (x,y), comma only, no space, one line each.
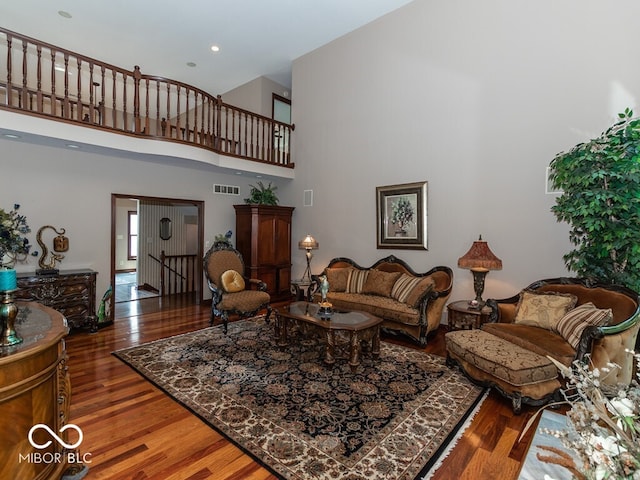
(64,14)
(11,135)
(215,48)
(72,145)
(191,64)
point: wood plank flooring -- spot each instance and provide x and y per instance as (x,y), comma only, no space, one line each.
(134,431)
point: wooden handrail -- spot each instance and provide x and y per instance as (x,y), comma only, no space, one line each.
(99,95)
(177,273)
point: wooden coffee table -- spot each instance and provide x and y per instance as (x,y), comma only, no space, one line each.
(360,327)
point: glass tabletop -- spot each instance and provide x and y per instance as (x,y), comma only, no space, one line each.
(338,319)
(34,323)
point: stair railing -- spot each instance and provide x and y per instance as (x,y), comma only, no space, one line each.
(177,274)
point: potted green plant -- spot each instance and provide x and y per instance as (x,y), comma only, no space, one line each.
(262,195)
(600,181)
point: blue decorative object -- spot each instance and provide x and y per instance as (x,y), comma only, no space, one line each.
(8,280)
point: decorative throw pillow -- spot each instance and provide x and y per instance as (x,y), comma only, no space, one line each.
(575,321)
(543,309)
(337,278)
(232,281)
(403,287)
(380,283)
(425,285)
(356,280)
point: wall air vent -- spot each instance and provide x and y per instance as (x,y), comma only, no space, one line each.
(226,189)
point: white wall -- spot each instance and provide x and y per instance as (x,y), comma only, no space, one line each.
(72,189)
(474,97)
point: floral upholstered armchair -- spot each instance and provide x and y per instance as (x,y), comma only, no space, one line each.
(232,292)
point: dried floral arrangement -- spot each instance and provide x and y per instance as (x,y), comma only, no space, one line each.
(603,424)
(14,244)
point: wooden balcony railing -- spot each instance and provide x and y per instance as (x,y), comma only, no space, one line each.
(40,79)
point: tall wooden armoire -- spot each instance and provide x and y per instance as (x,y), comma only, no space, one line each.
(263,237)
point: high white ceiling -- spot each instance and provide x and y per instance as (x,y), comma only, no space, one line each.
(256,37)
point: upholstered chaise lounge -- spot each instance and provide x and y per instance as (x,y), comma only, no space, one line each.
(567,319)
(408,302)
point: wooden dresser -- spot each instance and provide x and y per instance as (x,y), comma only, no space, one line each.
(263,237)
(34,390)
(71,292)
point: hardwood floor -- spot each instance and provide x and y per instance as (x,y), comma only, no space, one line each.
(134,431)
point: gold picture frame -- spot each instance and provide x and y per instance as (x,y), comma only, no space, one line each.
(402,216)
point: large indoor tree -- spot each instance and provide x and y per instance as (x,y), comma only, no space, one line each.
(600,181)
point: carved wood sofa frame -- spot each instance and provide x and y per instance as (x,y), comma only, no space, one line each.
(429,308)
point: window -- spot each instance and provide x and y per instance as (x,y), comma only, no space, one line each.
(280,108)
(132,236)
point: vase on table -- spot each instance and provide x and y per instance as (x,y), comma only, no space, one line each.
(8,309)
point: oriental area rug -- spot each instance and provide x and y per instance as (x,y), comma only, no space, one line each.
(391,419)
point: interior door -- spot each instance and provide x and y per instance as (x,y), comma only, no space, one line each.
(194,231)
(281,112)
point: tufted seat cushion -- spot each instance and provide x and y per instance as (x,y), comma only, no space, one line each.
(518,373)
(539,340)
(508,362)
(245,300)
(382,307)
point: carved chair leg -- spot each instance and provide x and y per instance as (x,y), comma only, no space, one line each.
(269,310)
(516,402)
(212,317)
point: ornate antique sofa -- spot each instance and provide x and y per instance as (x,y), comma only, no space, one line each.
(568,319)
(408,302)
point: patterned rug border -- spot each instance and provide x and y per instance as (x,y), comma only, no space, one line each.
(452,440)
(426,472)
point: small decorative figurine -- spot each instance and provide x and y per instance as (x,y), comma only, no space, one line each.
(325,306)
(324,287)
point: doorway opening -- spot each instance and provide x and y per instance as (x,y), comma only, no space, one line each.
(156,250)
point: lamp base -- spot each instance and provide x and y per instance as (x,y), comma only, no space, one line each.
(478,285)
(306,276)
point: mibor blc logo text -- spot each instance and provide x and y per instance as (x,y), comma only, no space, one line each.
(68,455)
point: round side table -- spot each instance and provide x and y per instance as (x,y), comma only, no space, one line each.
(461,316)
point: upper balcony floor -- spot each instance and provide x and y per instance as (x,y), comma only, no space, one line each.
(41,83)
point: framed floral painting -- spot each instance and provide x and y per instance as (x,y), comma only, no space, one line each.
(402,216)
